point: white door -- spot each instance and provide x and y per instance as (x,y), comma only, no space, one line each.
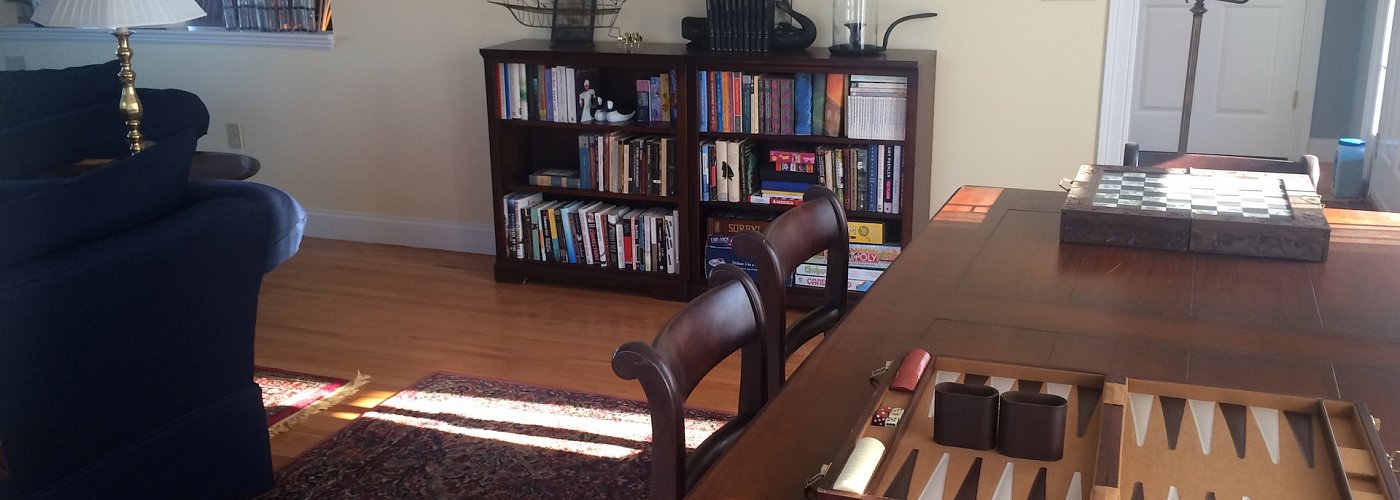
(1247,77)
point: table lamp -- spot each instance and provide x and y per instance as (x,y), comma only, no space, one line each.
(119,15)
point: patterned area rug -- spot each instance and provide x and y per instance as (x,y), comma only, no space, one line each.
(452,436)
(290,397)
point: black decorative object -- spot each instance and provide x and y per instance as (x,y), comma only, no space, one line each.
(697,31)
(855,24)
(1032,425)
(965,415)
(787,37)
(573,23)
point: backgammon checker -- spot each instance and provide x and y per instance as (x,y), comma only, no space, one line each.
(1123,439)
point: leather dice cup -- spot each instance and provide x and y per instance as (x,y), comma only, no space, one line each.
(1017,424)
(1032,425)
(965,416)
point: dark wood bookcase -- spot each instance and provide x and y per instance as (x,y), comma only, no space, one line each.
(519,147)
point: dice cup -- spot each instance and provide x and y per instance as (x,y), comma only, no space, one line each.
(1032,426)
(965,416)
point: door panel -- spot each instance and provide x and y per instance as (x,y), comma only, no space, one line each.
(1246,77)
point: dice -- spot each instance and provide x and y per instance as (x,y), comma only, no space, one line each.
(887,417)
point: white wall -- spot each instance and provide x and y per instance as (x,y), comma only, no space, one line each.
(391,123)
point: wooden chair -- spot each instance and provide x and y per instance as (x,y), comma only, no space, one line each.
(723,320)
(818,225)
(1307,164)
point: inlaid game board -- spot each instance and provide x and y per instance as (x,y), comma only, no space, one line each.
(1128,439)
(1212,211)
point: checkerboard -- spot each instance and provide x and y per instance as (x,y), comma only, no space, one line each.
(1172,192)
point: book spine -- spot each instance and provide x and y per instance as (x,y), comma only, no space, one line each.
(643,112)
(802,103)
(702,82)
(654,99)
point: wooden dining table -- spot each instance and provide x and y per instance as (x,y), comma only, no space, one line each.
(989,279)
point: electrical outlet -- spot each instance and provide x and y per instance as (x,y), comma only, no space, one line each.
(14,63)
(235,136)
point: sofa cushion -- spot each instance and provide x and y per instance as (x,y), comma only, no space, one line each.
(34,94)
(128,193)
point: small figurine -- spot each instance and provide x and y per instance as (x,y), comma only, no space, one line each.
(586,103)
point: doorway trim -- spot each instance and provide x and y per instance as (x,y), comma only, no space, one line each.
(1120,59)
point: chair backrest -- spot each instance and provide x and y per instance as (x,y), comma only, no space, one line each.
(818,225)
(726,319)
(1307,164)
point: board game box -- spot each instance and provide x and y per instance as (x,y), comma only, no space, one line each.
(1123,438)
(1210,211)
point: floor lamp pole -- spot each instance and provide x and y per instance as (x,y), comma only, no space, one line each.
(1197,12)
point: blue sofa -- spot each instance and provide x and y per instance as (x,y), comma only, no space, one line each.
(128,298)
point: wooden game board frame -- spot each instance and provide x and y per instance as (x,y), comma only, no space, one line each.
(1348,436)
(1303,237)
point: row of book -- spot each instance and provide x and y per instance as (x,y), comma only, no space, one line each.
(543,93)
(864,177)
(618,162)
(275,15)
(571,95)
(741,25)
(591,233)
(802,104)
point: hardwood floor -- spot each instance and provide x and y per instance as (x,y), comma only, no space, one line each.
(398,314)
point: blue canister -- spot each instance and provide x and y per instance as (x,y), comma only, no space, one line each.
(1347,172)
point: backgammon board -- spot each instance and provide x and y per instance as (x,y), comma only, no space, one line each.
(1210,211)
(1124,439)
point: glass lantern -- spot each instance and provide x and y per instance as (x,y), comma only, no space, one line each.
(855,27)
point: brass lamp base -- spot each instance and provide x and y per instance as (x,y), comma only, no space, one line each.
(129,104)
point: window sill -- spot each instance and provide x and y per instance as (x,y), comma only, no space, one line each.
(203,36)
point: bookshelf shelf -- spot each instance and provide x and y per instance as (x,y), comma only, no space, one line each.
(595,195)
(520,147)
(796,139)
(660,128)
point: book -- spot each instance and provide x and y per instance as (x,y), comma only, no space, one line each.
(730,223)
(664,97)
(835,99)
(866,256)
(643,113)
(654,99)
(818,104)
(802,104)
(556,177)
(702,82)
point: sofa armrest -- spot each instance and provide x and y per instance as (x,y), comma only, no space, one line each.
(135,328)
(286,219)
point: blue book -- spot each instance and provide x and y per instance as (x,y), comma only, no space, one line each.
(703,78)
(790,186)
(549,94)
(585,167)
(655,95)
(505,90)
(802,103)
(567,229)
(721,120)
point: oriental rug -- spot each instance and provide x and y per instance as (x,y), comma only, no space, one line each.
(290,397)
(453,436)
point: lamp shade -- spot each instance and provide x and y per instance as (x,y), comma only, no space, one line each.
(115,13)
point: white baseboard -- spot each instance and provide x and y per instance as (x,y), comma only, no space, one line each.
(404,231)
(1324,149)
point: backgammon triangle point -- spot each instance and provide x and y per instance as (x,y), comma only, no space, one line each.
(1173,409)
(1238,426)
(1267,420)
(1061,390)
(1142,414)
(1001,384)
(933,490)
(1089,398)
(1076,488)
(1038,486)
(1203,414)
(968,490)
(975,379)
(1137,492)
(1029,385)
(1003,491)
(1172,494)
(1302,425)
(939,377)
